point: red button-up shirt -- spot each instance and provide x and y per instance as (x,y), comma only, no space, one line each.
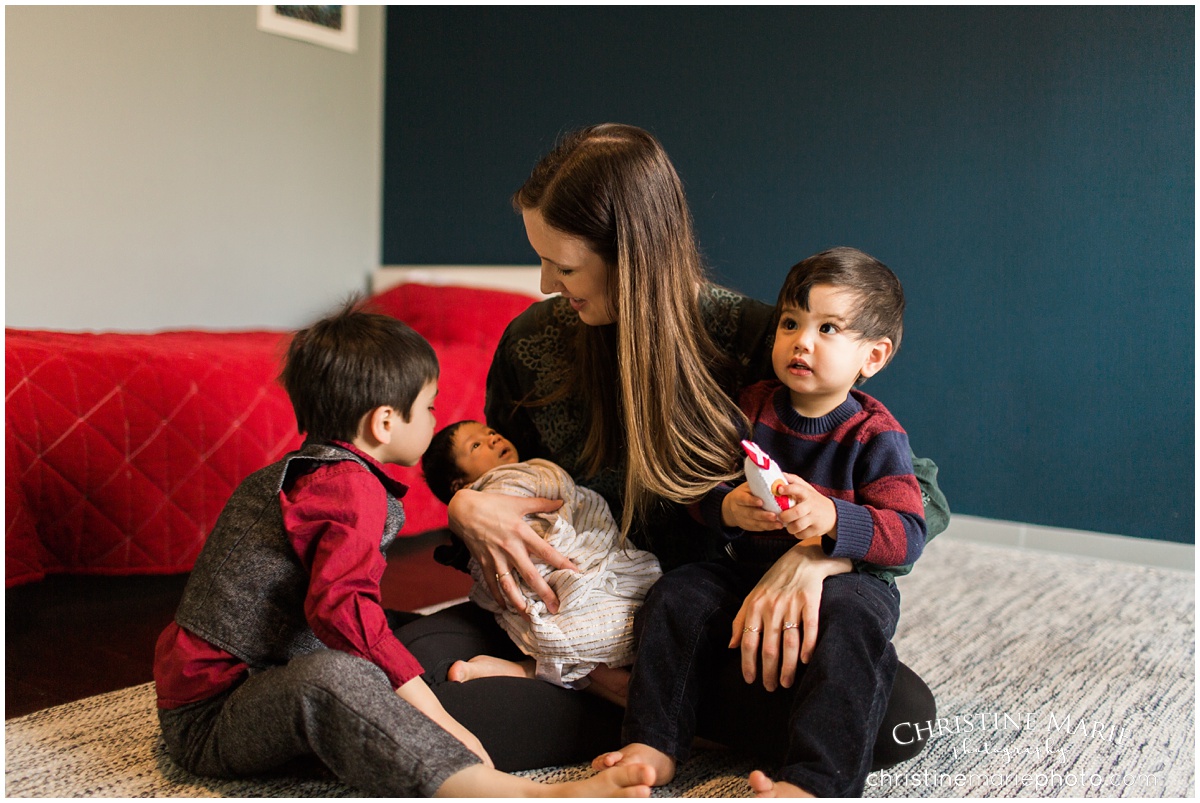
(333,517)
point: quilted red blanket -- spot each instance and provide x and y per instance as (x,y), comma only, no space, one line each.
(121,449)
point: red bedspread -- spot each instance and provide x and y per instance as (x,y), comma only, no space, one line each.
(121,449)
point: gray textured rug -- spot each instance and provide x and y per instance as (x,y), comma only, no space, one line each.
(1055,677)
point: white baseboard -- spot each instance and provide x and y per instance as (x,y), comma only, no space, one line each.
(1144,551)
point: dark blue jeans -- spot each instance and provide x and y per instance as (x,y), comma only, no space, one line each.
(679,689)
(527,724)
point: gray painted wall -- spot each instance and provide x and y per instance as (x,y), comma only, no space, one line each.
(175,167)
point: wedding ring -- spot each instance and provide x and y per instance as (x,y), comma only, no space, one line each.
(500,577)
(749,629)
(790,625)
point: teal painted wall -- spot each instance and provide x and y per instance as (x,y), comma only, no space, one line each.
(1028,173)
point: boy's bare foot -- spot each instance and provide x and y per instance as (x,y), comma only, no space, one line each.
(633,780)
(638,754)
(487,666)
(765,787)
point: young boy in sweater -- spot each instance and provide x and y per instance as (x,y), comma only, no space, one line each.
(280,648)
(840,322)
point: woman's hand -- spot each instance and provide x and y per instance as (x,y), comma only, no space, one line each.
(742,509)
(494,529)
(786,600)
(812,512)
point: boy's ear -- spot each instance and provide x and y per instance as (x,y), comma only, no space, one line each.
(457,485)
(877,357)
(380,424)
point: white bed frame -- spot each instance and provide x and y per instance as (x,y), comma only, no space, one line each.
(513,278)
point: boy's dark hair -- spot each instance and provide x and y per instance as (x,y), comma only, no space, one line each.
(347,364)
(879,293)
(442,474)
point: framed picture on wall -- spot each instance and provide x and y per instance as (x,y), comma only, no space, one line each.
(331,26)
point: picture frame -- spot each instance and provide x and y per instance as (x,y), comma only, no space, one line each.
(330,26)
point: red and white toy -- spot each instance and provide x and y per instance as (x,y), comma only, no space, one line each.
(766,478)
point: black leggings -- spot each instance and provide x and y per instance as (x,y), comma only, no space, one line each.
(527,724)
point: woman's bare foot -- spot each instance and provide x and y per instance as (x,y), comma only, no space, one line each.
(487,666)
(633,780)
(638,754)
(765,787)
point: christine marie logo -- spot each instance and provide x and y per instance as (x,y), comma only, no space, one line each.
(1051,726)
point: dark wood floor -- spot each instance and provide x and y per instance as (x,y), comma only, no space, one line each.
(69,637)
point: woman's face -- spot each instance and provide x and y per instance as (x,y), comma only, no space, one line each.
(571,269)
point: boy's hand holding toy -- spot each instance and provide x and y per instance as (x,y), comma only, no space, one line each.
(752,506)
(765,478)
(772,500)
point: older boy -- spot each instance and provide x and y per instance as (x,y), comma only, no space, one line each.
(840,322)
(280,649)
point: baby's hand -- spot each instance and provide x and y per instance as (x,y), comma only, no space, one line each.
(740,508)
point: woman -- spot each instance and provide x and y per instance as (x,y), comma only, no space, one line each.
(626,381)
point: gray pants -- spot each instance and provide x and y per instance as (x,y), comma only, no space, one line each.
(328,704)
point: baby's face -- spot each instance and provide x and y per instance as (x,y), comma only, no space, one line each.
(478,449)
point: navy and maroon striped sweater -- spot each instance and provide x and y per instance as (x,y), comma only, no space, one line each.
(858,455)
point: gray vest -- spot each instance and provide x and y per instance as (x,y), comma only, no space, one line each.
(246,592)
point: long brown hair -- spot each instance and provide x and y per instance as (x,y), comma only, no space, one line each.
(653,370)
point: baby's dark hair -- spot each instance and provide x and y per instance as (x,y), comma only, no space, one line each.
(442,474)
(879,294)
(347,364)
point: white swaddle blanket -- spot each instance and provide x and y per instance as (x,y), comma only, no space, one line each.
(596,605)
